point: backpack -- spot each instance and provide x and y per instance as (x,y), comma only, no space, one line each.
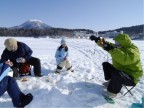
(24,69)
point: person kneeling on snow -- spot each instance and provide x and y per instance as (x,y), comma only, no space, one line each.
(126,66)
(19,53)
(9,84)
(61,56)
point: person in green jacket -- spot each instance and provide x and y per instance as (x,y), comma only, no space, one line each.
(126,65)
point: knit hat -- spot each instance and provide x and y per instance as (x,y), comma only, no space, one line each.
(10,43)
(63,41)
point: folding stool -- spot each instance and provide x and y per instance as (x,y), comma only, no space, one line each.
(128,90)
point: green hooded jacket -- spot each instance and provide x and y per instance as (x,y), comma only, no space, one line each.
(127,58)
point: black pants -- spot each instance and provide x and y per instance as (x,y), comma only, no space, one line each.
(117,78)
(35,62)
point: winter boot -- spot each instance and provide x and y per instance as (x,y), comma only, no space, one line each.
(58,70)
(25,100)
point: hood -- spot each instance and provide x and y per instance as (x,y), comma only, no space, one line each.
(123,39)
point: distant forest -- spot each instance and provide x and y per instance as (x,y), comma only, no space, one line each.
(133,30)
(52,32)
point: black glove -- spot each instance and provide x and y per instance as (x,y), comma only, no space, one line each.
(108,47)
(92,37)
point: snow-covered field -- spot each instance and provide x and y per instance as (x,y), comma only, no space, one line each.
(81,89)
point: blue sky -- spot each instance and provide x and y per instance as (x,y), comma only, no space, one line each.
(97,15)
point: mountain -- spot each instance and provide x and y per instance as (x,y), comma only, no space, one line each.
(32,24)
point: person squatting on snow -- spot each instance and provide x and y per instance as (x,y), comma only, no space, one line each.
(61,56)
(9,84)
(18,53)
(126,67)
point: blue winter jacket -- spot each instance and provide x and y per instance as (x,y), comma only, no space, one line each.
(22,51)
(60,55)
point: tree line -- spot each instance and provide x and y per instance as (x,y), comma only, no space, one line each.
(52,32)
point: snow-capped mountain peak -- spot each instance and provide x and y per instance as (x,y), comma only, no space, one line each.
(35,20)
(33,24)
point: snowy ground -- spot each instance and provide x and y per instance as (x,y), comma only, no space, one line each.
(81,89)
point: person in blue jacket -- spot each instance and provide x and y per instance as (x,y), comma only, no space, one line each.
(61,56)
(18,53)
(9,84)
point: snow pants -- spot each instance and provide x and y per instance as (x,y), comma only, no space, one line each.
(9,84)
(117,78)
(65,64)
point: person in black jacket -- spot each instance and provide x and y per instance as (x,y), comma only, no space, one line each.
(17,53)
